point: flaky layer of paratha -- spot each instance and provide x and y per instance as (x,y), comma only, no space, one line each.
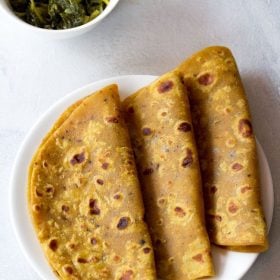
(227,150)
(161,130)
(84,195)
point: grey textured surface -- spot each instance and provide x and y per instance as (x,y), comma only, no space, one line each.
(139,37)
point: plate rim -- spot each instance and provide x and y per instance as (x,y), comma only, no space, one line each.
(65,101)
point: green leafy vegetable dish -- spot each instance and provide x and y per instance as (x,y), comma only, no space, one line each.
(58,14)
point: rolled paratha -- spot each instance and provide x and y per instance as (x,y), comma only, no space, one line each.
(84,195)
(227,150)
(160,126)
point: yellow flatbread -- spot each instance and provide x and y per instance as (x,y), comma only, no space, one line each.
(84,195)
(227,150)
(160,126)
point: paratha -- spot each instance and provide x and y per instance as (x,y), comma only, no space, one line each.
(84,195)
(159,121)
(227,150)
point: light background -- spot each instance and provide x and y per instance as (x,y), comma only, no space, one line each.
(139,37)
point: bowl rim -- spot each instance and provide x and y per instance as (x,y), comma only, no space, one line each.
(9,12)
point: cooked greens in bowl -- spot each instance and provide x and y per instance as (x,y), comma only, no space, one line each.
(58,14)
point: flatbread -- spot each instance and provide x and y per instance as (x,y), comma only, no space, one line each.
(84,195)
(227,150)
(160,126)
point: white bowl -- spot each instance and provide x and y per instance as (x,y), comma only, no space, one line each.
(56,34)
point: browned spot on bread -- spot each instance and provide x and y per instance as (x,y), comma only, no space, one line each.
(112,119)
(77,158)
(171,259)
(245,128)
(160,222)
(198,258)
(245,189)
(146,131)
(161,201)
(36,208)
(221,53)
(68,269)
(130,110)
(165,86)
(94,210)
(117,258)
(237,166)
(218,218)
(123,223)
(38,193)
(147,250)
(100,181)
(49,189)
(81,260)
(148,171)
(232,208)
(71,246)
(142,242)
(227,110)
(105,165)
(94,259)
(213,189)
(93,241)
(179,212)
(206,79)
(185,127)
(188,160)
(117,196)
(53,244)
(230,142)
(127,275)
(65,208)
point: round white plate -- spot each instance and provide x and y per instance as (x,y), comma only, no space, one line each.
(229,265)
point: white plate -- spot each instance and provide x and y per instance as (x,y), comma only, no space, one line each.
(229,265)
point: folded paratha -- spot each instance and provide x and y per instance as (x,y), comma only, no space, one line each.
(227,150)
(84,195)
(160,126)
